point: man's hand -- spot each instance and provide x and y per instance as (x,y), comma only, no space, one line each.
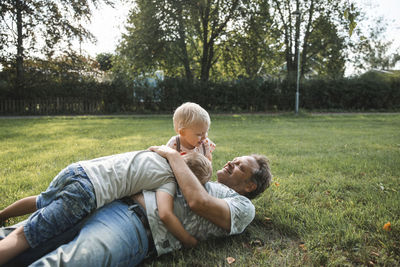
(164,151)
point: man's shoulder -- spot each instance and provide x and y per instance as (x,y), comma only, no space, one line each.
(220,190)
(241,208)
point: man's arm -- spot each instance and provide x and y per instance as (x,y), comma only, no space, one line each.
(165,204)
(214,209)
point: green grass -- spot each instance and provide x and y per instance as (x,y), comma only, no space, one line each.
(336,180)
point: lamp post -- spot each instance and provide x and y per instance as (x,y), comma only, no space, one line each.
(297,14)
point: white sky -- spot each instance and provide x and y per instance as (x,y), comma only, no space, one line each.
(108,23)
(390,10)
(107,26)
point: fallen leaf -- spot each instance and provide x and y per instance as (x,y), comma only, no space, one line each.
(373,253)
(230,260)
(387,226)
(267,220)
(303,247)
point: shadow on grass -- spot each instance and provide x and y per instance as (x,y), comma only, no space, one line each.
(261,237)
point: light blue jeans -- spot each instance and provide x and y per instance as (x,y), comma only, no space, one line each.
(112,236)
(69,198)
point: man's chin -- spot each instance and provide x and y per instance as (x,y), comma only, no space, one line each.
(220,176)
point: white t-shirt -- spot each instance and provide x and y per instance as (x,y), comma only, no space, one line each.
(241,209)
(117,176)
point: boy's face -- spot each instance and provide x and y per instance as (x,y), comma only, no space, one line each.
(193,136)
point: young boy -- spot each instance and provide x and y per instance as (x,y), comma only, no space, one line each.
(202,169)
(84,186)
(191,123)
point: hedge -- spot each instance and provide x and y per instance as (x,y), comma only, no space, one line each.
(370,92)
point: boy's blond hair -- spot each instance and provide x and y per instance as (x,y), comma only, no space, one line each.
(199,165)
(189,114)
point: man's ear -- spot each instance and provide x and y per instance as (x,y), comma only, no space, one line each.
(250,187)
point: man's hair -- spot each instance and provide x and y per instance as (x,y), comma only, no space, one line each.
(261,177)
(189,114)
(199,165)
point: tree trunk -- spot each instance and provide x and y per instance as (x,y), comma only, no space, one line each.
(20,51)
(305,41)
(204,57)
(297,41)
(182,44)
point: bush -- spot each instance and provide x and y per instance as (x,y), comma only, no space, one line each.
(367,92)
(363,93)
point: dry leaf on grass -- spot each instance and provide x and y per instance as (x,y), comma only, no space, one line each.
(373,253)
(387,226)
(230,260)
(267,220)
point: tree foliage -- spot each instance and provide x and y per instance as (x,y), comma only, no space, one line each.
(325,55)
(105,61)
(196,39)
(373,50)
(252,50)
(182,37)
(299,24)
(42,26)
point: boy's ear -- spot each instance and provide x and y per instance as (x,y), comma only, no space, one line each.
(181,131)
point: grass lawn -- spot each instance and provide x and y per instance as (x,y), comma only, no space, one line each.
(336,180)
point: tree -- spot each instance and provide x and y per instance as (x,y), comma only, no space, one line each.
(40,26)
(326,52)
(178,36)
(372,51)
(105,61)
(252,50)
(297,31)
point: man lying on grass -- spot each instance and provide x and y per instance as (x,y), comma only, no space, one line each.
(120,234)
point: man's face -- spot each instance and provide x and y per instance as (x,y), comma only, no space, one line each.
(236,174)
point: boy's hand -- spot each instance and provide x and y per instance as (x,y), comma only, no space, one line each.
(164,151)
(190,243)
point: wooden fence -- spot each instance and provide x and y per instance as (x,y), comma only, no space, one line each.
(50,106)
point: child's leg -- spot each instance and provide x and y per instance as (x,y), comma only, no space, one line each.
(18,208)
(62,206)
(12,245)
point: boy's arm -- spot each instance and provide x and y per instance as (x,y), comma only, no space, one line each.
(165,204)
(200,202)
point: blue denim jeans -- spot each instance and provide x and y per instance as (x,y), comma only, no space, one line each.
(69,198)
(112,236)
